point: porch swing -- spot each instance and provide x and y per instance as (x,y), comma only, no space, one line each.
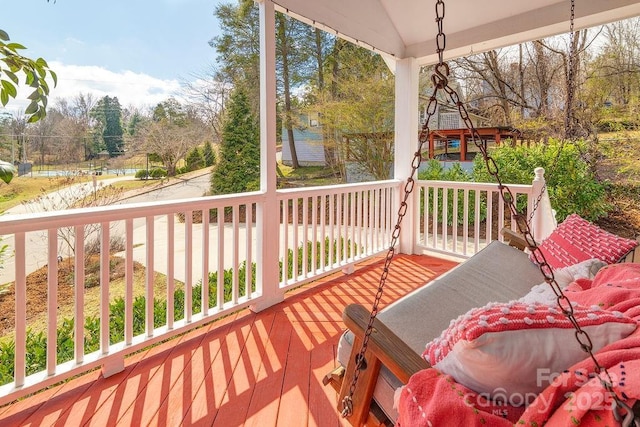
(383,353)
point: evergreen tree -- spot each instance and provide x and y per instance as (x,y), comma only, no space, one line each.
(194,160)
(238,48)
(109,113)
(208,155)
(238,169)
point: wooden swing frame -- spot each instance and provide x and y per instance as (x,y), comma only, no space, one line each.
(386,348)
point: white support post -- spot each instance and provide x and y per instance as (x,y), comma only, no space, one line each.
(406,141)
(267,215)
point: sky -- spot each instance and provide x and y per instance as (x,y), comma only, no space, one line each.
(137,50)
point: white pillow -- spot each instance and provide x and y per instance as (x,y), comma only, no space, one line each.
(512,351)
(543,293)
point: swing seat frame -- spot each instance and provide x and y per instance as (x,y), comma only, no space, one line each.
(500,272)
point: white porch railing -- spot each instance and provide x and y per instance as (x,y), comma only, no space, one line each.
(460,218)
(338,225)
(206,240)
(214,241)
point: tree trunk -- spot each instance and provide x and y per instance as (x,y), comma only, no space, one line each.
(521,77)
(288,122)
(542,73)
(335,75)
(328,148)
(492,57)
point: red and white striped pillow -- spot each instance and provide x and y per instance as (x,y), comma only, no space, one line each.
(513,350)
(577,240)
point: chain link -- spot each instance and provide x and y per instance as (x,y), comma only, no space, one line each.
(582,337)
(347,402)
(568,119)
(441,38)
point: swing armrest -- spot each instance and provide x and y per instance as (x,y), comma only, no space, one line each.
(384,344)
(514,238)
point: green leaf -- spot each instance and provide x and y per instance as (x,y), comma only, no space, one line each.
(35,117)
(12,76)
(4,97)
(36,81)
(11,89)
(15,46)
(30,77)
(32,108)
(40,62)
(4,36)
(6,170)
(54,76)
(35,95)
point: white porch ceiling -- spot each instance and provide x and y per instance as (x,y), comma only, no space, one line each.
(406,28)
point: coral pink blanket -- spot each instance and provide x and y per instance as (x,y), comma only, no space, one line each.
(575,397)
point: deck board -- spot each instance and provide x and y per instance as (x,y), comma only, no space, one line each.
(254,369)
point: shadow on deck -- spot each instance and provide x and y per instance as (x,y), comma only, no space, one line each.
(258,369)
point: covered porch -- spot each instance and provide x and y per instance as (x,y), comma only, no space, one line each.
(256,354)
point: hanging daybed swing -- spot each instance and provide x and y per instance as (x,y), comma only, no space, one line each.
(376,347)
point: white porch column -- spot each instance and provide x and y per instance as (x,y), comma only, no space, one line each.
(267,215)
(406,140)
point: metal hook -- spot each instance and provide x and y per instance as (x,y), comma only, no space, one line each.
(347,407)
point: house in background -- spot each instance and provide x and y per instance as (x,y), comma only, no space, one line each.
(307,137)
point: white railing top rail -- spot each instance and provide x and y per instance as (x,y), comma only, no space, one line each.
(481,186)
(335,189)
(16,223)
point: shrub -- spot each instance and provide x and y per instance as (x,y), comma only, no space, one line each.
(194,160)
(157,173)
(154,173)
(116,244)
(141,174)
(208,154)
(617,124)
(330,252)
(434,171)
(572,186)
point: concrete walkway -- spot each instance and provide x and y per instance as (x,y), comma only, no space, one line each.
(188,185)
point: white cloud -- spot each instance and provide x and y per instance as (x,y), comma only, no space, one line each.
(137,89)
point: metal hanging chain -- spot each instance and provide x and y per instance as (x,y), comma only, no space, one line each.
(583,338)
(568,118)
(347,401)
(440,81)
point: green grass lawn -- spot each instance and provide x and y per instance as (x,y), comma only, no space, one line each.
(621,152)
(24,188)
(306,176)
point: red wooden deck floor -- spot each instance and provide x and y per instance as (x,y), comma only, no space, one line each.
(254,369)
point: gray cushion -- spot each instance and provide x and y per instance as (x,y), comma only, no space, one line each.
(496,273)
